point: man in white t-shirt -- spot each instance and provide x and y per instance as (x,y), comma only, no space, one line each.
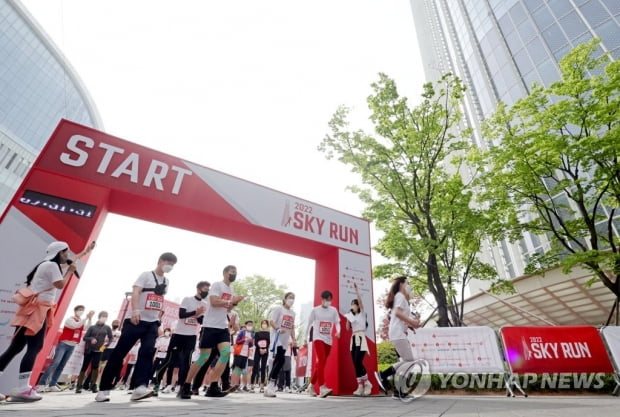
(142,323)
(183,341)
(323,320)
(215,334)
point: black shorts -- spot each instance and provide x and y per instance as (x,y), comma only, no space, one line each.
(211,337)
(106,354)
(250,363)
(240,362)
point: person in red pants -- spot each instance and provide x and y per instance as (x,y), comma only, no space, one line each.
(323,320)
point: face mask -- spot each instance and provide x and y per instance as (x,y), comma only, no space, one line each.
(166,334)
(408,290)
(204,294)
(166,268)
(232,277)
(102,320)
(114,326)
(327,304)
(250,328)
(290,301)
(79,313)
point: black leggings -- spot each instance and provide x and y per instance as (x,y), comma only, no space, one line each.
(357,354)
(19,341)
(260,368)
(278,363)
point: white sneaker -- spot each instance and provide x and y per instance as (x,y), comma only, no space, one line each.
(325,391)
(270,391)
(167,390)
(102,396)
(53,388)
(359,391)
(310,391)
(367,388)
(141,393)
(28,395)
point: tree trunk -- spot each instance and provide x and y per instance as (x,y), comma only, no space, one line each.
(439,292)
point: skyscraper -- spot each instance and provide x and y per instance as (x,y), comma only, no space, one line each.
(499,48)
(38,87)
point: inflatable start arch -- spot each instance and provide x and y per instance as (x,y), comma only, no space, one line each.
(83,174)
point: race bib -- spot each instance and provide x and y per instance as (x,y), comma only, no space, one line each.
(191,321)
(262,344)
(287,321)
(154,302)
(325,327)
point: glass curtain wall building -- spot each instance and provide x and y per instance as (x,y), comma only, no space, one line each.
(499,48)
(38,87)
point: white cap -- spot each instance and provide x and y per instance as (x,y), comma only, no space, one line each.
(53,249)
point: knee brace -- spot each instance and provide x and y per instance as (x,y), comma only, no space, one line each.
(225,354)
(204,355)
(237,371)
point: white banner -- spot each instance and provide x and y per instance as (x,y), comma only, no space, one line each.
(611,336)
(355,269)
(288,214)
(75,361)
(448,350)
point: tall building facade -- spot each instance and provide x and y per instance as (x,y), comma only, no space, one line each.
(38,87)
(499,48)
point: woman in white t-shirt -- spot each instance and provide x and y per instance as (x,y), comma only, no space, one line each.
(32,319)
(357,322)
(401,321)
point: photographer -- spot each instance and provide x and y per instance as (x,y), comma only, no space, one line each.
(147,302)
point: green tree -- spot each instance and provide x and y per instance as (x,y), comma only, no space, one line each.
(261,294)
(554,168)
(386,354)
(414,190)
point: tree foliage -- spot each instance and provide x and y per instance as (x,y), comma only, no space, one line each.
(414,191)
(553,168)
(261,294)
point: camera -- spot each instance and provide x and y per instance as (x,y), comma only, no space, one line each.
(160,289)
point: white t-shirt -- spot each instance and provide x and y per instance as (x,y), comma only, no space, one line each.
(398,328)
(216,316)
(161,346)
(46,275)
(322,321)
(116,334)
(189,326)
(358,321)
(150,304)
(284,318)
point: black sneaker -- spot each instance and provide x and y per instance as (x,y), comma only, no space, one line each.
(94,389)
(215,392)
(185,393)
(381,381)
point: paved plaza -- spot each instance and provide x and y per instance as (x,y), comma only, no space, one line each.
(66,404)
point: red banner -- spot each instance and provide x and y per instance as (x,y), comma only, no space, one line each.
(551,349)
(302,361)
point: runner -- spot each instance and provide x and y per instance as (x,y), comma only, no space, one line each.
(400,320)
(215,334)
(357,322)
(147,302)
(183,341)
(283,329)
(323,319)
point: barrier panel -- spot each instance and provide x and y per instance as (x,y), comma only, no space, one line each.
(458,349)
(555,349)
(611,336)
(458,352)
